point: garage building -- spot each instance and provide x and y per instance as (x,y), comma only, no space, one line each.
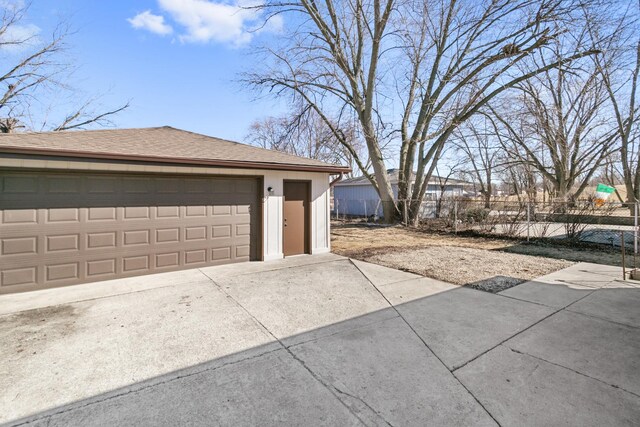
(83,206)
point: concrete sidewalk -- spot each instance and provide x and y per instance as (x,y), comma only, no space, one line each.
(323,340)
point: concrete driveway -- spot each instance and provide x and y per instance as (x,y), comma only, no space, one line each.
(322,340)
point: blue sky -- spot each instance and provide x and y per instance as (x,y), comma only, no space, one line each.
(179,67)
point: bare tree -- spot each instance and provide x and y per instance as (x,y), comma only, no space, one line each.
(481,152)
(409,72)
(619,69)
(442,181)
(521,178)
(558,124)
(33,71)
(303,133)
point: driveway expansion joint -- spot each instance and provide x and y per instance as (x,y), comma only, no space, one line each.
(426,345)
(455,368)
(331,388)
(315,376)
(592,290)
(604,319)
(285,267)
(418,277)
(572,370)
(587,285)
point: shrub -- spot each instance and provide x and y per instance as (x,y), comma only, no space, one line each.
(476,215)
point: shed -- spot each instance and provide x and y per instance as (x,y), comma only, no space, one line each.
(83,206)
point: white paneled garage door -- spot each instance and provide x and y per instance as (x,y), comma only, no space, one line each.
(65,228)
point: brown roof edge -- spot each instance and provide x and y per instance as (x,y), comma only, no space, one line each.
(175,160)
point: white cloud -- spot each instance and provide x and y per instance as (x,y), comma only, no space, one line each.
(150,22)
(17,38)
(209,21)
(205,21)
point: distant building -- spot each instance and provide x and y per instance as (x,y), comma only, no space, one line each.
(357,197)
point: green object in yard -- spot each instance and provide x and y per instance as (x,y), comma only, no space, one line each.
(601,188)
(602,194)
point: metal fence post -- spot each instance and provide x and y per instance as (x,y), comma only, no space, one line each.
(624,270)
(455,216)
(528,218)
(635,229)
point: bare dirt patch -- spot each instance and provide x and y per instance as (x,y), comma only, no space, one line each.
(479,262)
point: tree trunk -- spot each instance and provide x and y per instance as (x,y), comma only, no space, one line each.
(389,208)
(414,210)
(562,196)
(487,199)
(389,211)
(488,189)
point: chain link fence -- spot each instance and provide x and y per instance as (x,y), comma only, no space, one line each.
(583,221)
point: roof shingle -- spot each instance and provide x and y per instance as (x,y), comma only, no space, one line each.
(159,144)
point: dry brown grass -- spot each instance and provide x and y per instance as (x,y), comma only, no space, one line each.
(347,238)
(469,266)
(459,259)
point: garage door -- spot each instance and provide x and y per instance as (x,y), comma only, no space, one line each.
(65,228)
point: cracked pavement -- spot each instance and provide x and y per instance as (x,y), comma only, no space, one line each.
(323,340)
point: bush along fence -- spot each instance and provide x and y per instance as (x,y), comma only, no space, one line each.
(581,221)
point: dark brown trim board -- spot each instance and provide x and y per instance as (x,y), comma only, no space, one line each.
(174,160)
